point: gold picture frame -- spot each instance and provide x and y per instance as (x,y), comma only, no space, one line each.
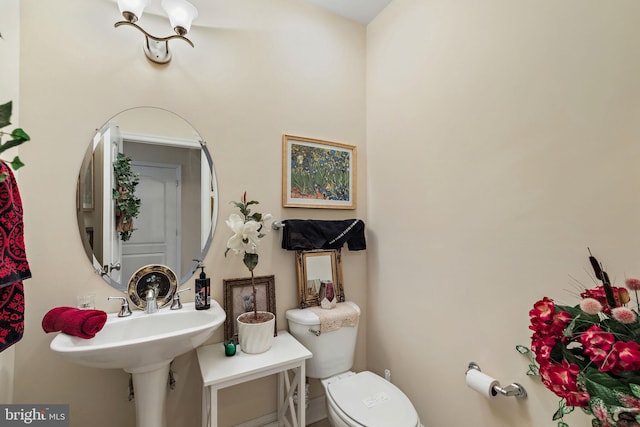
(318,174)
(237,298)
(314,267)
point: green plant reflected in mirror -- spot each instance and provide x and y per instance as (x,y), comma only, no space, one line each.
(127,204)
(146,194)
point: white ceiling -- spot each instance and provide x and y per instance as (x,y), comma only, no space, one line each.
(362,11)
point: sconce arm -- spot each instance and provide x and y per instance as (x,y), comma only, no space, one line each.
(157,39)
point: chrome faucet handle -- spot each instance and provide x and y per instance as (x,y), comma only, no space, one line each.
(175,303)
(151,305)
(124,307)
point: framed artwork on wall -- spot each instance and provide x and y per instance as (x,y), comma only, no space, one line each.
(318,174)
(238,299)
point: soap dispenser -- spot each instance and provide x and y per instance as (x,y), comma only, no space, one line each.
(203,290)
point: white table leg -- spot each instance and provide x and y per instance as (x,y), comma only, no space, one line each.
(205,402)
(280,397)
(213,410)
(302,398)
(289,402)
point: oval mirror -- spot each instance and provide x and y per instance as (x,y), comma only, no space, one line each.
(171,195)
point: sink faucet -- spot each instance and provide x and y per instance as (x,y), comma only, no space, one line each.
(124,307)
(176,304)
(150,298)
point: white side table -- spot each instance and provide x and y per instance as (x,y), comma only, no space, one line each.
(220,371)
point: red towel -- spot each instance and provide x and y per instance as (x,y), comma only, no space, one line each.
(73,321)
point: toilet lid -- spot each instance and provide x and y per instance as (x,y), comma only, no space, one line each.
(372,401)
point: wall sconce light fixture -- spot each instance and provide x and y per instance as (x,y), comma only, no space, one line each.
(181,13)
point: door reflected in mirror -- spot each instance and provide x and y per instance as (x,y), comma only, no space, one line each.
(176,186)
(317,267)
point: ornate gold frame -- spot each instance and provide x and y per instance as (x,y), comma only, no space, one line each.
(309,297)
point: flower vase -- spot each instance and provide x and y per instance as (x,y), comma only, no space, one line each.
(256,336)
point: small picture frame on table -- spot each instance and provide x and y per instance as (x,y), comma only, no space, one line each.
(238,299)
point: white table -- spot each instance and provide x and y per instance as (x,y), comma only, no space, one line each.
(220,371)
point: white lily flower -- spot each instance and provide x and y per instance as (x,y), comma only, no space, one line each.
(246,236)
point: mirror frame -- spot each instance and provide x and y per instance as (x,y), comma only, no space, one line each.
(86,235)
(308,299)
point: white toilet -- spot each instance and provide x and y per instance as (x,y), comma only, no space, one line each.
(353,399)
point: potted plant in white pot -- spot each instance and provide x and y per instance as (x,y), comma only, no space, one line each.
(255,328)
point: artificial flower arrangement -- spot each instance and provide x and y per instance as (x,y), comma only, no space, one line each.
(247,232)
(589,354)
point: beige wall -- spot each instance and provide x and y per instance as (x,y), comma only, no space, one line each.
(288,68)
(511,130)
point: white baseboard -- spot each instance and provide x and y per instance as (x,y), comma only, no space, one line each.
(317,411)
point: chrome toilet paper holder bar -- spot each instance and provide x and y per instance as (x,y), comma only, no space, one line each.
(512,390)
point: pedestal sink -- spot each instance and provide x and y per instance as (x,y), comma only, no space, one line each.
(144,345)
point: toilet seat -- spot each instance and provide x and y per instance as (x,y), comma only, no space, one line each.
(368,400)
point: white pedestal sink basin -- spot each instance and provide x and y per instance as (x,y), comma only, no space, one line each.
(144,345)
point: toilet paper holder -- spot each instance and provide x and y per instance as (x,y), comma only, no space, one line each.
(512,390)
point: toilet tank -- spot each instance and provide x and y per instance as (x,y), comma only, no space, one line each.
(333,352)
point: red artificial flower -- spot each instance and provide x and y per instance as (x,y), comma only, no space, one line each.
(546,321)
(563,381)
(597,345)
(541,347)
(620,295)
(628,355)
(595,336)
(564,376)
(543,309)
(577,398)
(609,363)
(560,322)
